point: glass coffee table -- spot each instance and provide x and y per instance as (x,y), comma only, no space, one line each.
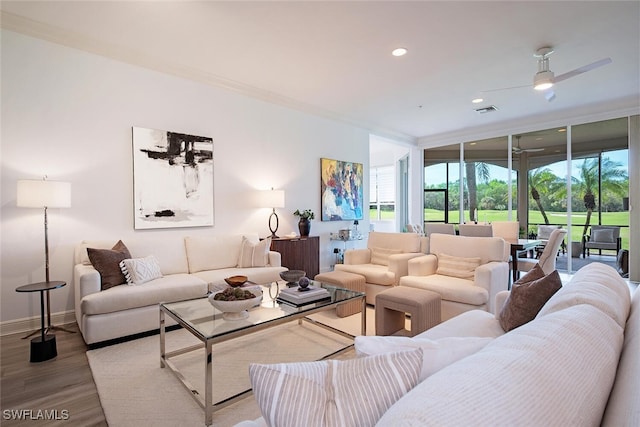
(206,323)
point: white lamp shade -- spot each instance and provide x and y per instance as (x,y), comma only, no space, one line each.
(271,199)
(41,193)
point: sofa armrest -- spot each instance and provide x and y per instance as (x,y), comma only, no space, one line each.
(399,264)
(424,265)
(494,277)
(86,281)
(275,259)
(357,256)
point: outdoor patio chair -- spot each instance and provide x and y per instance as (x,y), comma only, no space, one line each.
(602,237)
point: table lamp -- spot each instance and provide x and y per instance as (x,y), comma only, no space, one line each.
(44,194)
(272,199)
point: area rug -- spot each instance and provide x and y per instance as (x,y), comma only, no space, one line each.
(135,391)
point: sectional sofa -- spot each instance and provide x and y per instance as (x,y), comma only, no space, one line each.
(574,364)
(189,268)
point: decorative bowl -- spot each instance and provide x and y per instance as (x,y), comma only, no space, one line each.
(236,310)
(292,276)
(235,281)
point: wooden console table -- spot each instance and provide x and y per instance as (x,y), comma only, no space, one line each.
(301,253)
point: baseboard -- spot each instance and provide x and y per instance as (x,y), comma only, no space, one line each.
(29,324)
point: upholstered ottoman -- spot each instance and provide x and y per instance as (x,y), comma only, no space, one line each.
(351,281)
(394,303)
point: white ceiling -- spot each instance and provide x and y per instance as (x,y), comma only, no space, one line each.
(333,58)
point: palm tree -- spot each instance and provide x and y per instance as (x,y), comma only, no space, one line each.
(482,169)
(611,179)
(546,180)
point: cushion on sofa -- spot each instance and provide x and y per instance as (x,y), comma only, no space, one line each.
(214,252)
(175,287)
(137,271)
(528,295)
(107,262)
(623,408)
(449,288)
(454,266)
(169,250)
(487,248)
(330,393)
(595,284)
(254,254)
(373,273)
(436,354)
(404,242)
(380,256)
(556,370)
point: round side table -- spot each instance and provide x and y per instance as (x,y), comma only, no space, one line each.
(42,347)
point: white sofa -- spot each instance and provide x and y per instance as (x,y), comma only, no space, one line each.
(384,260)
(574,364)
(459,291)
(190,266)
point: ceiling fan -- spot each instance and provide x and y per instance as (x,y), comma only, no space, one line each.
(545,79)
(517,150)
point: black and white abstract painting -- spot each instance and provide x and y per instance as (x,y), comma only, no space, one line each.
(172,179)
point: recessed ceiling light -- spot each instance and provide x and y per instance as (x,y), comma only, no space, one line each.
(477,100)
(401,51)
(562,130)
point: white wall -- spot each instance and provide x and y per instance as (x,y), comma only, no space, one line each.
(68,114)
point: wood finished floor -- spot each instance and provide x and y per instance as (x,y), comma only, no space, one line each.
(63,383)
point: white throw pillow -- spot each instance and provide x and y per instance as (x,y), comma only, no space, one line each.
(436,354)
(254,254)
(354,392)
(454,266)
(140,270)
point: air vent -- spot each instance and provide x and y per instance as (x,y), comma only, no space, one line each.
(488,109)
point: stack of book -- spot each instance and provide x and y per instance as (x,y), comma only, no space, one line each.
(296,297)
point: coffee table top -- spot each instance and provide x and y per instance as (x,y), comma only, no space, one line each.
(206,322)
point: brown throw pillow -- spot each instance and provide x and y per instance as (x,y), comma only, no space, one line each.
(527,297)
(107,262)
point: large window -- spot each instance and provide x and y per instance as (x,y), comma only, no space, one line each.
(382,193)
(538,168)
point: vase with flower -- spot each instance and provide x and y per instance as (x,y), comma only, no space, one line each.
(304,224)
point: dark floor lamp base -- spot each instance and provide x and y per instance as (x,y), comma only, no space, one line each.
(43,350)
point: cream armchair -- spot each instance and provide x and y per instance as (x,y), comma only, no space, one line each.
(384,260)
(467,272)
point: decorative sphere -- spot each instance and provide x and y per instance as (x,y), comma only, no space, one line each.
(304,282)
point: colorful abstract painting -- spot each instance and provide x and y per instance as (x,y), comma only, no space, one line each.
(172,179)
(341,189)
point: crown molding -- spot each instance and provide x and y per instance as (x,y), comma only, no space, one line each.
(52,34)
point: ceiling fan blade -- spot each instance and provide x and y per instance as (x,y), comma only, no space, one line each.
(532,150)
(504,88)
(582,69)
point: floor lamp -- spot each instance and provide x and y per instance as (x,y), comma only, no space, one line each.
(44,194)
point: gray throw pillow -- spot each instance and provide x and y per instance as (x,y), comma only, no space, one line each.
(527,297)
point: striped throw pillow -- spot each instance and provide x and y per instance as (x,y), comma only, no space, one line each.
(354,392)
(380,256)
(454,266)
